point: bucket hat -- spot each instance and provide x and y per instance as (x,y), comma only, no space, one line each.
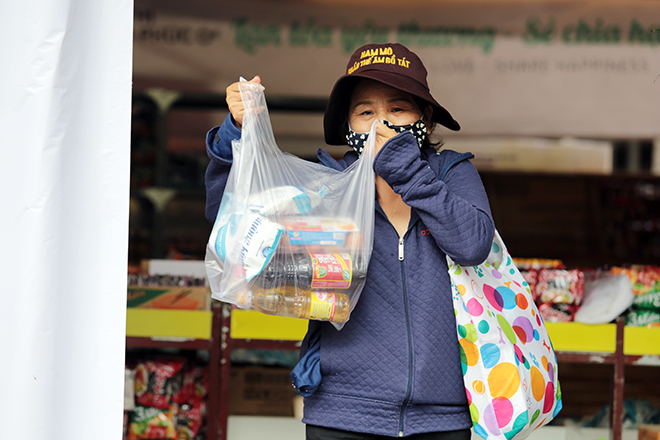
(392,64)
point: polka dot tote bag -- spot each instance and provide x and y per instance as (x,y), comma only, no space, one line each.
(509,365)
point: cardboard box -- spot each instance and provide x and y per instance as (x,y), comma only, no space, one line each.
(261,391)
(648,432)
(169,297)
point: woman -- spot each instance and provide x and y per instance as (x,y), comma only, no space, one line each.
(394,369)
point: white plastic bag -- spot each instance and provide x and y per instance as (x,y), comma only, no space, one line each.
(605,299)
(292,237)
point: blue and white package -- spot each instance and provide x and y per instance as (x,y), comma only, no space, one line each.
(249,240)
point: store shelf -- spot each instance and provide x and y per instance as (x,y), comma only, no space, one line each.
(171,324)
(250,324)
(577,337)
(187,330)
(227,328)
(642,341)
(569,338)
(612,344)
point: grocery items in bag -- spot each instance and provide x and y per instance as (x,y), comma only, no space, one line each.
(308,285)
(249,238)
(317,233)
(302,303)
(313,271)
(284,200)
(291,237)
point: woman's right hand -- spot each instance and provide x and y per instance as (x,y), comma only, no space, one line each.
(234,102)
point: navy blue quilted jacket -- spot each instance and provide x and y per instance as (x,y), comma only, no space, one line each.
(394,369)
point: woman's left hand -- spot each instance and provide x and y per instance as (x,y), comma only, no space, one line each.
(383,134)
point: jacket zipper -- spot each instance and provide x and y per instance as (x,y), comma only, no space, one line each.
(410,351)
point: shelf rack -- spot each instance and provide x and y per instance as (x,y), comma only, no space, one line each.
(611,344)
(226,328)
(187,330)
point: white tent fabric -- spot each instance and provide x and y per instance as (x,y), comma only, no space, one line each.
(65,99)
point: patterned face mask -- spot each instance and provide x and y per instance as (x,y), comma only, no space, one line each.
(357,141)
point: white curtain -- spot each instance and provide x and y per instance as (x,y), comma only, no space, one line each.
(65,100)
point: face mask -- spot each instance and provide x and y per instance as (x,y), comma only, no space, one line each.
(357,141)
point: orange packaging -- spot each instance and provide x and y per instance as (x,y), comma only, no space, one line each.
(648,432)
(169,297)
(320,234)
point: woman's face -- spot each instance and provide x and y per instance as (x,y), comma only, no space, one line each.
(374,101)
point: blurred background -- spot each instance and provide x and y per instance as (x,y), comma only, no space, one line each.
(557,100)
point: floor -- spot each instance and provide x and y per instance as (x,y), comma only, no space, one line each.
(290,428)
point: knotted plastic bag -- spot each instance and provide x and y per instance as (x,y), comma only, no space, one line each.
(292,237)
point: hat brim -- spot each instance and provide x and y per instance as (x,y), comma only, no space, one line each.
(334,120)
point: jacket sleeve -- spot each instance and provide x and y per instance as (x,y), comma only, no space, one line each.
(455,210)
(218,148)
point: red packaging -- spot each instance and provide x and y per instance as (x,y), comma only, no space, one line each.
(184,386)
(557,312)
(559,286)
(189,420)
(531,276)
(154,382)
(191,385)
(201,383)
(644,279)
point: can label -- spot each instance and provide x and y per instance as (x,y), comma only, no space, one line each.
(322,306)
(331,271)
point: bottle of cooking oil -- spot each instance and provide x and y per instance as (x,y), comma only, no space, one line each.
(302,303)
(329,272)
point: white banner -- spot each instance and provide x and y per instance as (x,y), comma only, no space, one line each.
(585,69)
(64,184)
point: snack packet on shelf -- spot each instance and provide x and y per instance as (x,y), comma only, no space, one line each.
(154,382)
(192,385)
(642,318)
(560,286)
(189,420)
(557,312)
(650,301)
(644,279)
(152,423)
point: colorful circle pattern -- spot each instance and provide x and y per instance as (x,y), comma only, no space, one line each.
(506,354)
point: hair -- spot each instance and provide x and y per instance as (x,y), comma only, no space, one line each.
(423,106)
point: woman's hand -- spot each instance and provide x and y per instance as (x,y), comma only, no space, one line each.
(383,134)
(234,102)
